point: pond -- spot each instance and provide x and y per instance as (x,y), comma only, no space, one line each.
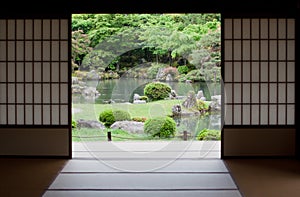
(122,90)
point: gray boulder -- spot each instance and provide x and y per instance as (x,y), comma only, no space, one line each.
(129,126)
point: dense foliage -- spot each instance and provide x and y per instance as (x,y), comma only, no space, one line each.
(209,134)
(163,127)
(120,42)
(157,91)
(109,116)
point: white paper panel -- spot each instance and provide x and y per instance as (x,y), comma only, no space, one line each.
(281,114)
(255,71)
(255,93)
(64,114)
(291,93)
(237,93)
(237,28)
(3,51)
(246,71)
(282,28)
(20,93)
(37,114)
(37,93)
(282,50)
(28,50)
(228,29)
(20,50)
(28,115)
(228,72)
(11,114)
(20,72)
(37,72)
(264,71)
(273,114)
(11,29)
(28,93)
(11,51)
(291,72)
(264,93)
(246,50)
(55,72)
(237,111)
(46,72)
(64,93)
(264,114)
(46,29)
(228,114)
(2,93)
(291,50)
(281,92)
(246,114)
(64,29)
(37,29)
(290,114)
(291,29)
(64,76)
(64,51)
(246,28)
(273,93)
(46,114)
(2,72)
(3,29)
(20,114)
(46,50)
(46,93)
(255,50)
(20,29)
(264,48)
(237,71)
(28,73)
(264,32)
(28,29)
(2,114)
(11,93)
(11,72)
(228,93)
(273,71)
(255,115)
(55,51)
(37,51)
(273,50)
(246,93)
(273,28)
(228,50)
(55,114)
(255,28)
(282,71)
(237,50)
(55,29)
(55,93)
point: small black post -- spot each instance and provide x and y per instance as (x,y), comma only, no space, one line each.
(185,135)
(109,136)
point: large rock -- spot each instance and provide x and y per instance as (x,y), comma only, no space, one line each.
(190,101)
(129,126)
(93,124)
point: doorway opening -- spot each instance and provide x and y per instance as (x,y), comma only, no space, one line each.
(147,79)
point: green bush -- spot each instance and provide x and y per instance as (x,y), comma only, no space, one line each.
(183,69)
(74,124)
(157,91)
(202,105)
(163,127)
(109,116)
(145,98)
(209,134)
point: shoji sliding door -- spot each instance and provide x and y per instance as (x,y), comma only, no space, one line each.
(259,86)
(35,95)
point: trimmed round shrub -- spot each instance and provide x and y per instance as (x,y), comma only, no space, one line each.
(163,127)
(109,116)
(157,91)
(209,134)
(183,69)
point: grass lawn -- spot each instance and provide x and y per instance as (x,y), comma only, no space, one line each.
(147,110)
